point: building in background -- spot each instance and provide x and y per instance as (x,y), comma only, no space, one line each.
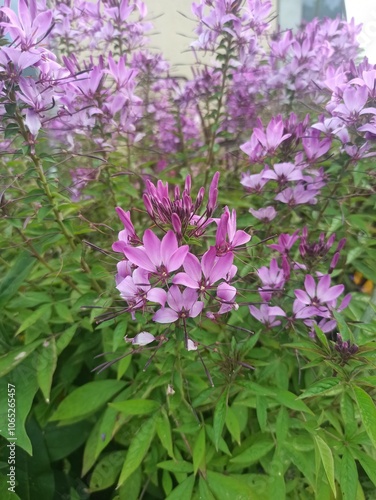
(292,12)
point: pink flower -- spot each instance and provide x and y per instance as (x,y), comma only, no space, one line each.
(267,314)
(266,214)
(158,257)
(284,172)
(202,277)
(142,338)
(297,196)
(320,296)
(272,279)
(128,235)
(181,306)
(227,237)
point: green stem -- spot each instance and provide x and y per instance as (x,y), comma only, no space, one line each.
(221,95)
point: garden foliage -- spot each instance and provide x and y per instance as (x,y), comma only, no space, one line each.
(182,259)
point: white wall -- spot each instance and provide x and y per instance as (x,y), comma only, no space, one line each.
(174,31)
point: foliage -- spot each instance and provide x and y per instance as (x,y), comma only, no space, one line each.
(232,355)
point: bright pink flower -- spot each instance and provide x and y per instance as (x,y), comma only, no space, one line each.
(128,235)
(320,296)
(227,237)
(158,257)
(181,306)
(202,276)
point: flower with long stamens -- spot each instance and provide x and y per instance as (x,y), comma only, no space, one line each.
(181,306)
(158,257)
(227,237)
(321,296)
(202,276)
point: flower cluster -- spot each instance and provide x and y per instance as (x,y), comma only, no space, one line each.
(172,274)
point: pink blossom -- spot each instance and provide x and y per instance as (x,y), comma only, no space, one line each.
(158,257)
(181,306)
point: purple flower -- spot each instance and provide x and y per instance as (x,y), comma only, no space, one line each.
(227,237)
(158,257)
(142,338)
(272,279)
(321,296)
(267,314)
(285,242)
(266,214)
(273,136)
(181,306)
(28,27)
(297,196)
(354,100)
(254,182)
(202,277)
(137,291)
(128,235)
(284,172)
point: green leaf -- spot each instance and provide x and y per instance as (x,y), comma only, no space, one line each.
(176,466)
(255,451)
(291,401)
(106,471)
(13,358)
(138,449)
(87,399)
(184,490)
(232,424)
(46,366)
(205,493)
(167,483)
(319,387)
(19,271)
(261,411)
(226,487)
(322,337)
(164,432)
(368,463)
(348,476)
(23,380)
(199,449)
(64,339)
(282,425)
(42,311)
(219,418)
(367,411)
(136,406)
(327,461)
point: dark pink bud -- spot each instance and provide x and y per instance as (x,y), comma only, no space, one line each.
(341,244)
(334,262)
(148,205)
(188,184)
(330,241)
(176,224)
(213,193)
